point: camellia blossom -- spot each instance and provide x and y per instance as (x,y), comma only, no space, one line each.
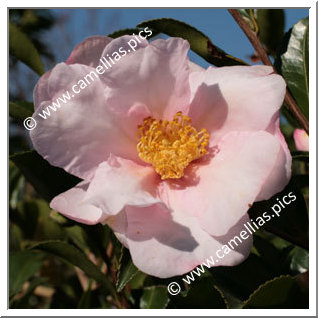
(301,140)
(171,155)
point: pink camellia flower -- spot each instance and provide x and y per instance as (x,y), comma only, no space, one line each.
(171,155)
(301,140)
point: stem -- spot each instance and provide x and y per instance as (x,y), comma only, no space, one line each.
(251,35)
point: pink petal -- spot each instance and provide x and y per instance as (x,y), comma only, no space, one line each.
(165,245)
(195,67)
(119,182)
(236,98)
(40,92)
(89,51)
(70,204)
(84,131)
(156,75)
(220,189)
(301,140)
(281,172)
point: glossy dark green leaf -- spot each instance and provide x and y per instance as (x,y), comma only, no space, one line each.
(291,221)
(293,63)
(155,297)
(299,260)
(96,238)
(20,109)
(138,280)
(23,49)
(22,266)
(202,293)
(199,42)
(280,293)
(135,31)
(74,256)
(127,270)
(47,180)
(77,236)
(241,280)
(271,24)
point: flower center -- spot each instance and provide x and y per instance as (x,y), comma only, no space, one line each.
(171,145)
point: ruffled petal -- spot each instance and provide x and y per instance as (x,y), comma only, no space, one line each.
(236,98)
(84,131)
(281,171)
(156,75)
(89,51)
(165,245)
(220,189)
(118,183)
(70,203)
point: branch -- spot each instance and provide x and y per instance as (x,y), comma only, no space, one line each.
(251,35)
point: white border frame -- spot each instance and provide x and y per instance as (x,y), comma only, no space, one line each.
(163,312)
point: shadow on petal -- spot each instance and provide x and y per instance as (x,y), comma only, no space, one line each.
(155,222)
(241,246)
(208,108)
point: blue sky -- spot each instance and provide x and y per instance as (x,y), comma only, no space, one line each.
(218,24)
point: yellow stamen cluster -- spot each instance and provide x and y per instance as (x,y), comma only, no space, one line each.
(171,145)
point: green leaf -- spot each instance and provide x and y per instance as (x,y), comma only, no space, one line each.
(199,42)
(155,297)
(280,293)
(23,49)
(60,219)
(240,281)
(127,270)
(271,24)
(202,293)
(74,256)
(22,266)
(138,280)
(47,180)
(122,32)
(85,301)
(293,63)
(299,260)
(20,109)
(33,217)
(47,228)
